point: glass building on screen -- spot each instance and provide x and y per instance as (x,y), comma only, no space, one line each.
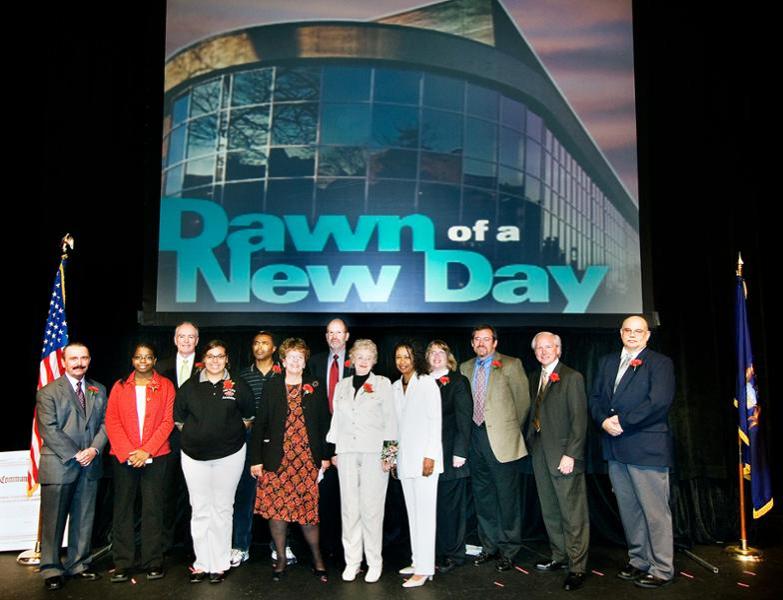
(443,110)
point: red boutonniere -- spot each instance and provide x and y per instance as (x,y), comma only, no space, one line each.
(443,380)
(228,384)
(276,369)
(636,362)
(199,365)
(347,364)
(153,387)
(496,364)
(368,388)
(307,388)
(92,389)
(554,377)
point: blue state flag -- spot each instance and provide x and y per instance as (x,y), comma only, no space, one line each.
(748,403)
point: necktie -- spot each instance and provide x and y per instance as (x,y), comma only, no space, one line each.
(621,371)
(184,371)
(80,395)
(539,398)
(334,376)
(479,394)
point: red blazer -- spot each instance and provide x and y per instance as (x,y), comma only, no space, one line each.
(122,420)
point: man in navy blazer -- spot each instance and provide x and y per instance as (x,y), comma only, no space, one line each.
(70,415)
(630,401)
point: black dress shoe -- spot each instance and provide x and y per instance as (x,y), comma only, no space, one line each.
(484,557)
(447,566)
(119,576)
(53,583)
(86,575)
(198,576)
(651,582)
(503,564)
(631,573)
(550,565)
(216,577)
(278,575)
(573,582)
(156,573)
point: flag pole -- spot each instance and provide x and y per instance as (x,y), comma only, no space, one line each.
(742,551)
(32,558)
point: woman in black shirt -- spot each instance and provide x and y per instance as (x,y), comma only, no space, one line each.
(212,411)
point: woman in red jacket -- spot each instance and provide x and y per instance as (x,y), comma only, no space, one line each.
(139,419)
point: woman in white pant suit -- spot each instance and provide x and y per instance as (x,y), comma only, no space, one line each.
(420,457)
(363,423)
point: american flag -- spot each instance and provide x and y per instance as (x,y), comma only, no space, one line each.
(52,365)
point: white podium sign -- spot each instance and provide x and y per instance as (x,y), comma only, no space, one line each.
(18,511)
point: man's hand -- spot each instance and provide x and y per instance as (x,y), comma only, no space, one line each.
(566,466)
(86,456)
(612,426)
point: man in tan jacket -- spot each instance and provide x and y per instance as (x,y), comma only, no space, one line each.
(501,400)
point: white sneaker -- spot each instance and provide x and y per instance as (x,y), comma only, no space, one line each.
(290,557)
(373,574)
(239,556)
(349,573)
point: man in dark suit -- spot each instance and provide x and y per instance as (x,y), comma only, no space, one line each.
(501,400)
(630,401)
(329,368)
(70,415)
(556,432)
(178,369)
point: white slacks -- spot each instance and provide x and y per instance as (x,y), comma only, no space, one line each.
(363,496)
(212,485)
(421,499)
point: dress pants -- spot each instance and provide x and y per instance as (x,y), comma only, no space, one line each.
(363,484)
(244,503)
(496,494)
(421,498)
(329,511)
(643,499)
(564,509)
(58,502)
(452,510)
(176,512)
(127,480)
(212,485)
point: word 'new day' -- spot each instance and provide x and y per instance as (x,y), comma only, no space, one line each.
(278,283)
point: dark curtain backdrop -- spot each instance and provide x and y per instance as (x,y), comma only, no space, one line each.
(85,137)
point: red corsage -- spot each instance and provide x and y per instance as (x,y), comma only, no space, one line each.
(307,388)
(636,362)
(496,364)
(92,389)
(153,387)
(367,387)
(443,380)
(228,384)
(347,364)
(276,369)
(199,365)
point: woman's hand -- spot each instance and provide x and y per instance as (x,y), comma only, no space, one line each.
(325,464)
(334,460)
(138,458)
(257,470)
(427,467)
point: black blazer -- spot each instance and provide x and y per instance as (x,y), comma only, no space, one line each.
(317,367)
(269,427)
(563,418)
(168,368)
(456,403)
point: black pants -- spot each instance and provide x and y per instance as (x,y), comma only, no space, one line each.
(452,508)
(496,493)
(127,481)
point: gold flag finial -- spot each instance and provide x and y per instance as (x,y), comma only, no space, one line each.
(739,264)
(65,243)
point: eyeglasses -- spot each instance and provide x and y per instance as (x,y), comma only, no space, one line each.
(627,331)
(215,356)
(144,357)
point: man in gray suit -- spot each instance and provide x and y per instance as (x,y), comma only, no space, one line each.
(501,400)
(556,433)
(70,414)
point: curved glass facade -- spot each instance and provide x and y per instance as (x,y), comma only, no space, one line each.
(369,139)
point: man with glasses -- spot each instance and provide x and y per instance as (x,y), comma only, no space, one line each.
(501,400)
(630,401)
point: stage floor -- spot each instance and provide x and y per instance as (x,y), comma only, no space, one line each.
(253,580)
